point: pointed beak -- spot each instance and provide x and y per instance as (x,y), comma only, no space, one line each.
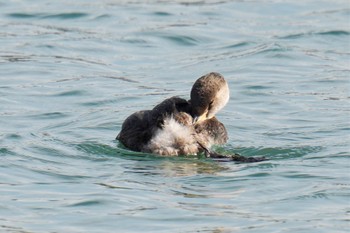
(197,119)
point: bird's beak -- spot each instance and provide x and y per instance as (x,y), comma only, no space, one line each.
(197,119)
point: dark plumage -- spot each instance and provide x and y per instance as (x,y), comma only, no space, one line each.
(140,127)
(177,126)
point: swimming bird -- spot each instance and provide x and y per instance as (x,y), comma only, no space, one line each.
(180,127)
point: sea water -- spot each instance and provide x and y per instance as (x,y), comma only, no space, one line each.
(72,71)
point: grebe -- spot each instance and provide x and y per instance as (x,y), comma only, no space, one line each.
(180,127)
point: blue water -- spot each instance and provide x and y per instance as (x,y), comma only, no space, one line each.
(72,71)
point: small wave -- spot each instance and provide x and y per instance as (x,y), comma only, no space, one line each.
(48,115)
(201,3)
(277,152)
(15,58)
(161,13)
(37,58)
(125,79)
(174,38)
(135,41)
(238,45)
(103,16)
(93,148)
(71,93)
(23,15)
(335,33)
(86,203)
(72,15)
(181,40)
(308,34)
(244,49)
(6,151)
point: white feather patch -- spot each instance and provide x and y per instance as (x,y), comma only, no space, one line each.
(173,139)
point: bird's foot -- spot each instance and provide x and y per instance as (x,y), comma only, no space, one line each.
(236,158)
(229,158)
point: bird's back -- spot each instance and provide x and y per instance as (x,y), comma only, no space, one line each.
(167,129)
(138,129)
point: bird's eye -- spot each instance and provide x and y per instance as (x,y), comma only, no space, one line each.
(210,109)
(211,104)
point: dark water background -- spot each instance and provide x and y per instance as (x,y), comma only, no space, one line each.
(72,71)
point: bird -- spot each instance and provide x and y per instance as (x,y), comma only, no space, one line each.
(177,126)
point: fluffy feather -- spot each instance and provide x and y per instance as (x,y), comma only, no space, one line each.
(173,139)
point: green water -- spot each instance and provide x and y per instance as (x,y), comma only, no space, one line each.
(72,71)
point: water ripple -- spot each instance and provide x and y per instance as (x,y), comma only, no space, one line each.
(72,71)
(335,33)
(72,15)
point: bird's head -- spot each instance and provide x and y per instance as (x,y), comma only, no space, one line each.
(209,94)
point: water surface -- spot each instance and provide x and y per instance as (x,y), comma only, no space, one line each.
(72,71)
